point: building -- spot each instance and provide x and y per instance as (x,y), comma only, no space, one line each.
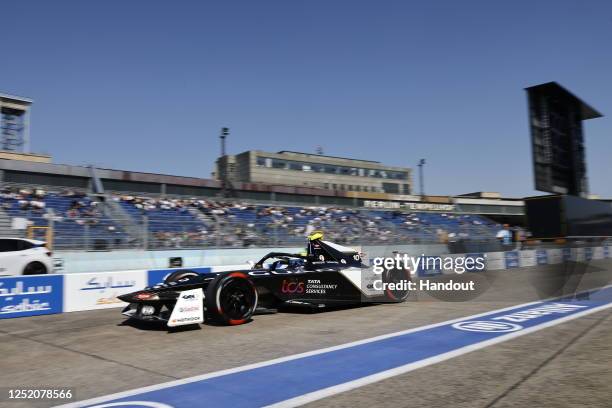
(14,123)
(316,171)
(15,130)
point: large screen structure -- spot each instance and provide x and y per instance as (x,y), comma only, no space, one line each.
(557,139)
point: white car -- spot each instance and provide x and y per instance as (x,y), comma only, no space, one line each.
(20,256)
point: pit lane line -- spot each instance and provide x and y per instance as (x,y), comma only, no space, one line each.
(305,377)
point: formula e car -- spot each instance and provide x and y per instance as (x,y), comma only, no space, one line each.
(326,274)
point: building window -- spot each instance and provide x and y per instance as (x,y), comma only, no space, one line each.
(391,188)
(279,164)
(262,161)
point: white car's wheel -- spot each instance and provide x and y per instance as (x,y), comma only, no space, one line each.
(35,268)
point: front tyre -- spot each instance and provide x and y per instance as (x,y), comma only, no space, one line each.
(231,299)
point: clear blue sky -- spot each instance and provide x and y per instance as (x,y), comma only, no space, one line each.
(146,85)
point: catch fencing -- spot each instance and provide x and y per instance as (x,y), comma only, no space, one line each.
(158,233)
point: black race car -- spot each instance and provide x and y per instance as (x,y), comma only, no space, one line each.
(326,274)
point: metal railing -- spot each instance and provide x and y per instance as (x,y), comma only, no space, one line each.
(155,233)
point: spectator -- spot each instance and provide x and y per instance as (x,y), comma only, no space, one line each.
(504,235)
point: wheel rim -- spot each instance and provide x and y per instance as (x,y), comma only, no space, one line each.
(237,299)
(396,276)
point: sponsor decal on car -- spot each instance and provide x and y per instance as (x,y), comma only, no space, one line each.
(290,286)
(315,286)
(189,308)
(311,286)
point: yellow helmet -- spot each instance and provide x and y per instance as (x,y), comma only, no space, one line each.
(315,235)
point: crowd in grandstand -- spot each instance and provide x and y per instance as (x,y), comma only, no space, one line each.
(242,224)
(197,222)
(33,202)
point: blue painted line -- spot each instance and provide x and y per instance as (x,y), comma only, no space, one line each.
(277,382)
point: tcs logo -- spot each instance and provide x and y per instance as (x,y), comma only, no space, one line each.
(292,286)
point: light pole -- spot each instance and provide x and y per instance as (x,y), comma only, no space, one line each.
(421,182)
(223,164)
(222,136)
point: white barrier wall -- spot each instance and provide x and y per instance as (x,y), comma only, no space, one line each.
(555,256)
(495,261)
(90,291)
(84,262)
(527,258)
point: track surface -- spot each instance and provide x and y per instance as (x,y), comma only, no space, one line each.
(94,354)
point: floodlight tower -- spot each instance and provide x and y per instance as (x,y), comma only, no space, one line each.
(222,136)
(421,182)
(224,166)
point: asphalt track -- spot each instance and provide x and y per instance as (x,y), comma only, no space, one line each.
(95,354)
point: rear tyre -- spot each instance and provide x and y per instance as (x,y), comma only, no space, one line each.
(178,275)
(35,268)
(397,276)
(231,299)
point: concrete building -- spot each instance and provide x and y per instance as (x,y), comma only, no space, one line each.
(316,171)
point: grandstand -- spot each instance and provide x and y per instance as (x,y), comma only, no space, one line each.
(74,218)
(82,221)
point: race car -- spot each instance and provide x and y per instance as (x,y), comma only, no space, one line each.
(326,274)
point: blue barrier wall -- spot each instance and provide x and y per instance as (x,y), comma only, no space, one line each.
(31,295)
